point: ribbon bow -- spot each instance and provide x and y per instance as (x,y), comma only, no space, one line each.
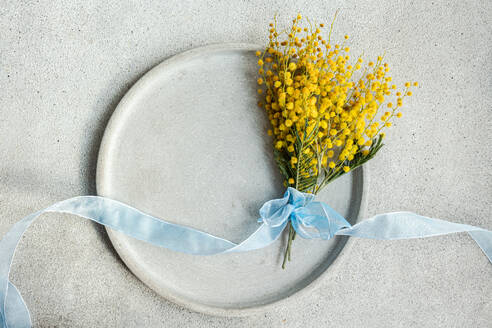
(309,219)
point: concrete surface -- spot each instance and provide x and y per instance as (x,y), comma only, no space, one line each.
(65,65)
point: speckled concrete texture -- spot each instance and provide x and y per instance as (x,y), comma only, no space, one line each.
(65,65)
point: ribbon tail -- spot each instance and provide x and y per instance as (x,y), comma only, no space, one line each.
(407,225)
(16,312)
(136,224)
(13,302)
(125,219)
(262,237)
(484,240)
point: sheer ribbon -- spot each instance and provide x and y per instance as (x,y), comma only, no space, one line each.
(309,218)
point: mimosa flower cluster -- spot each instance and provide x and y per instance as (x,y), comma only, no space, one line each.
(328,112)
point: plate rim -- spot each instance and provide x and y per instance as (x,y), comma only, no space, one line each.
(105,146)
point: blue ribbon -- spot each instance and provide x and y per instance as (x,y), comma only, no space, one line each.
(310,219)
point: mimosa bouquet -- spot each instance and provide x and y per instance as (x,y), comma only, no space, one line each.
(327,112)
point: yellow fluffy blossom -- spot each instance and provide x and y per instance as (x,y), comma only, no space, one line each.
(328,113)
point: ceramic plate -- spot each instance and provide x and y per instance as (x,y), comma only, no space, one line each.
(188,144)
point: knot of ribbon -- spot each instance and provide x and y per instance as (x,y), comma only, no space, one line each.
(309,219)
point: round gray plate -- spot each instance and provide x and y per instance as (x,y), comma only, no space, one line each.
(188,144)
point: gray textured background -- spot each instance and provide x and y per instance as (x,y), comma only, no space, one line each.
(65,65)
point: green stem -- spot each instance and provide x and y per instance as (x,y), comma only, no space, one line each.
(289,244)
(291,239)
